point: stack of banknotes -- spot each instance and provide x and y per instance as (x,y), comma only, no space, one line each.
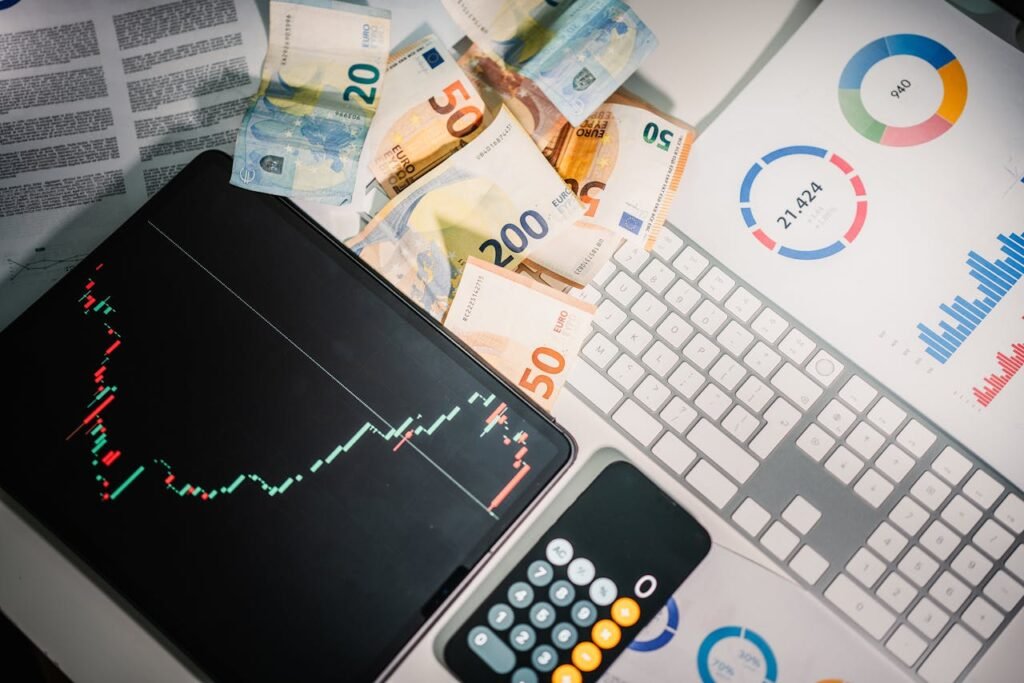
(512,174)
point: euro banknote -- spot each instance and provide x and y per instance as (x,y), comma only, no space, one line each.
(431,110)
(529,332)
(497,198)
(321,82)
(577,52)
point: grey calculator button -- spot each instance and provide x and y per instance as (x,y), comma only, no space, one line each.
(581,571)
(562,593)
(603,591)
(564,636)
(584,613)
(540,573)
(524,675)
(520,594)
(544,658)
(559,552)
(542,615)
(500,617)
(522,637)
(488,647)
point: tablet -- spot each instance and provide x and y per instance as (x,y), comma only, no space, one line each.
(275,459)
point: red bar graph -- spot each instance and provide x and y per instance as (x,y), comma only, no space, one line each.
(994,384)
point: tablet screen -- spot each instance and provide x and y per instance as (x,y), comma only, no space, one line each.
(278,462)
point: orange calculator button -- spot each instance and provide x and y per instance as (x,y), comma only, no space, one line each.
(586,656)
(606,634)
(567,673)
(625,612)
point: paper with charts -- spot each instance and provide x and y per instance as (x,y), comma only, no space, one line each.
(870,180)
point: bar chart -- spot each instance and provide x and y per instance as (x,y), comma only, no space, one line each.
(994,384)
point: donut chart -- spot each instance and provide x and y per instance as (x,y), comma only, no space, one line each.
(640,644)
(947,66)
(759,658)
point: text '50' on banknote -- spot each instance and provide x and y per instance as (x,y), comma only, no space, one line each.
(497,199)
(321,82)
(578,52)
(431,110)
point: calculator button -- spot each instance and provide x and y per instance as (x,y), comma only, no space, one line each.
(524,675)
(520,594)
(581,571)
(606,634)
(542,615)
(500,617)
(540,573)
(488,647)
(586,656)
(522,637)
(584,613)
(544,658)
(603,592)
(561,593)
(567,673)
(625,612)
(559,552)
(564,636)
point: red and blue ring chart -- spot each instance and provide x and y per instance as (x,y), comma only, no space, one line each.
(803,202)
(902,90)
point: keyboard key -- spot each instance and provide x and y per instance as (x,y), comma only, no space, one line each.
(916,438)
(779,540)
(930,490)
(961,514)
(686,380)
(674,453)
(873,488)
(917,566)
(1015,562)
(886,415)
(626,371)
(824,368)
(717,284)
(894,463)
(657,276)
(709,317)
(740,423)
(769,325)
(713,401)
(906,645)
(743,304)
(631,257)
(836,417)
(668,244)
(701,351)
(1011,513)
(682,297)
(909,516)
(808,564)
(588,295)
(594,386)
(815,442)
(605,272)
(887,541)
(762,359)
(951,466)
(600,350)
(896,592)
(755,394)
(648,309)
(928,617)
(609,316)
(863,609)
(796,385)
(690,264)
(660,359)
(674,330)
(950,657)
(728,372)
(779,420)
(634,337)
(865,440)
(679,414)
(722,450)
(652,393)
(939,540)
(993,539)
(982,617)
(949,591)
(865,567)
(983,489)
(801,515)
(751,517)
(1003,590)
(797,346)
(971,565)
(858,394)
(844,465)
(711,484)
(636,422)
(623,289)
(735,338)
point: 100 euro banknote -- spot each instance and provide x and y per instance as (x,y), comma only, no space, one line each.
(303,133)
(578,52)
(432,109)
(529,332)
(497,198)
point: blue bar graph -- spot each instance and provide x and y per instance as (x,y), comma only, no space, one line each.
(995,279)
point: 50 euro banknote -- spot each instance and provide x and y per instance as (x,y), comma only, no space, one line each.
(496,199)
(577,52)
(432,109)
(529,332)
(304,131)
